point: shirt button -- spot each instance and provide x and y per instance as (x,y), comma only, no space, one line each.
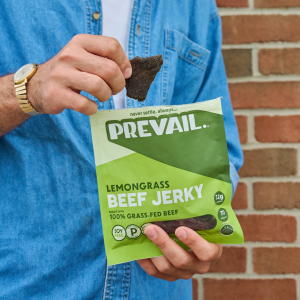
(96,15)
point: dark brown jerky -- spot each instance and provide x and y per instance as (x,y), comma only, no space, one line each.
(143,74)
(206,222)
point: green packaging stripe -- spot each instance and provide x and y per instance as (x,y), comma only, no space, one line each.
(166,165)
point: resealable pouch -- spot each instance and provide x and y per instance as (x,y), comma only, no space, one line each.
(165,165)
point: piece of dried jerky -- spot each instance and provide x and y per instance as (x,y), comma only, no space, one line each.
(206,222)
(143,74)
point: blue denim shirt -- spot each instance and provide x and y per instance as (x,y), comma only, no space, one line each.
(51,242)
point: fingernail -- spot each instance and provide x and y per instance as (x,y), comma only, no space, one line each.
(127,73)
(151,233)
(181,234)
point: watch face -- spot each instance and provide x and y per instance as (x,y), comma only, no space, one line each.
(23,72)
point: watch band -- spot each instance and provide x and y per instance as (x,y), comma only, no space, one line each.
(21,93)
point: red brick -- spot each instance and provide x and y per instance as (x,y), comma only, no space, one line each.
(279,61)
(269,228)
(195,285)
(276,3)
(242,124)
(276,260)
(271,195)
(233,260)
(240,199)
(232,3)
(265,94)
(242,29)
(282,129)
(250,289)
(269,162)
(238,62)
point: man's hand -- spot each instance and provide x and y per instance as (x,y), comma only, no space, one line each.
(178,263)
(95,64)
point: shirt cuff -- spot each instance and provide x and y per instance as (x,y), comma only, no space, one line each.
(234,179)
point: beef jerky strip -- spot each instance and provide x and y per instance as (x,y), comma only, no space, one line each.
(143,74)
(206,222)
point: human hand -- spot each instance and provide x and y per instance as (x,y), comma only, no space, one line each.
(95,64)
(178,263)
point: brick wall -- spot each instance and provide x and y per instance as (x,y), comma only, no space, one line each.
(262,56)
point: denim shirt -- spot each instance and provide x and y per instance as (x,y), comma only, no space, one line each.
(51,241)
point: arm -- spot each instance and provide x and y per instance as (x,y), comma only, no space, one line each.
(10,113)
(95,64)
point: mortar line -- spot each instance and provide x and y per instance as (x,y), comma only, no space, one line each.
(268,212)
(253,245)
(261,78)
(298,163)
(250,197)
(266,45)
(251,129)
(200,288)
(248,276)
(246,11)
(253,112)
(261,145)
(297,278)
(255,63)
(298,232)
(251,4)
(249,261)
(270,179)
(271,145)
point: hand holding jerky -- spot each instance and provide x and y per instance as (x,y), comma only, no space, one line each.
(144,71)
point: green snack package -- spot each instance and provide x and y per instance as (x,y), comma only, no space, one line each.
(165,165)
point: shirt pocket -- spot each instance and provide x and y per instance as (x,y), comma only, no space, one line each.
(184,67)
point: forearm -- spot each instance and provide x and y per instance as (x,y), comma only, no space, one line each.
(94,64)
(11,114)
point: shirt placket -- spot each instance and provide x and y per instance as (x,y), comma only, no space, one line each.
(117,277)
(139,37)
(94,21)
(117,282)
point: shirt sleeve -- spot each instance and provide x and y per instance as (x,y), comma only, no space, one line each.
(215,85)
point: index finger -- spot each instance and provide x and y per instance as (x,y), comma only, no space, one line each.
(106,47)
(179,257)
(204,250)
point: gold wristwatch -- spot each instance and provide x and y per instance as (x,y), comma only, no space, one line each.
(21,79)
